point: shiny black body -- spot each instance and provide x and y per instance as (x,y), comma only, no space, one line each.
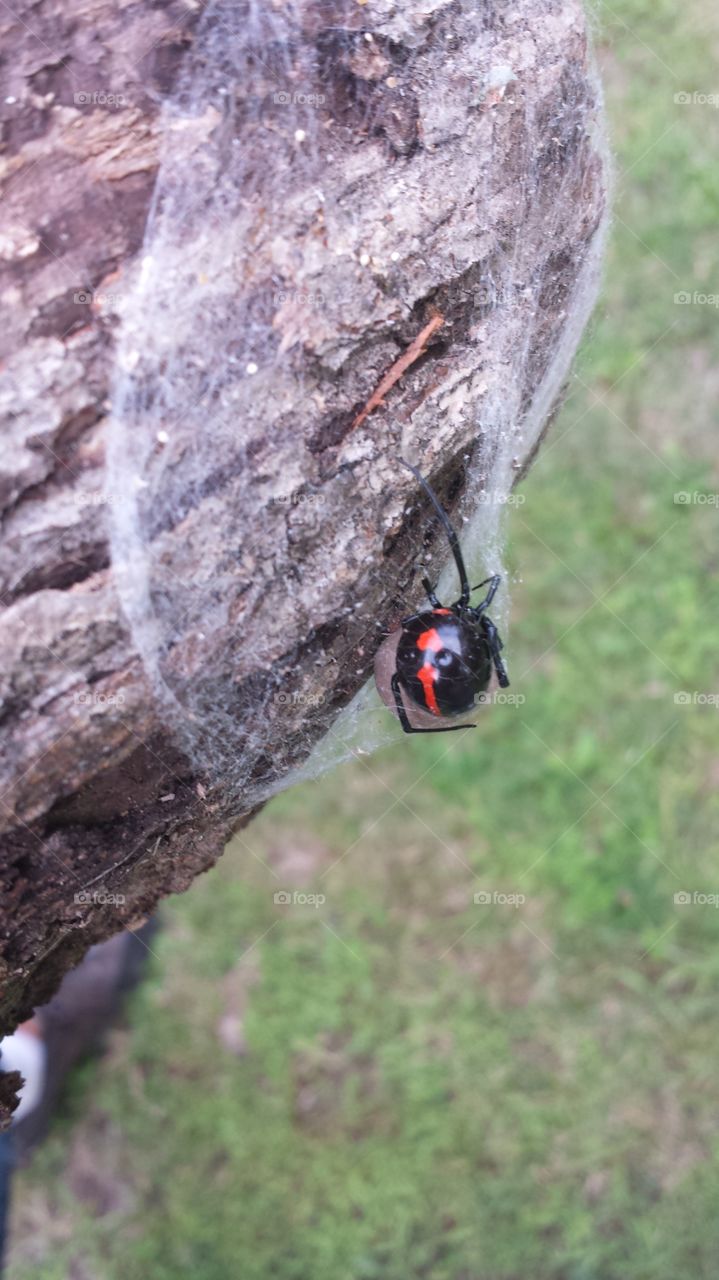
(460,669)
(445,656)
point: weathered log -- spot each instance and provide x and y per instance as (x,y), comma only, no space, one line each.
(487,156)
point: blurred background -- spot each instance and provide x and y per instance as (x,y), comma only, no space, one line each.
(381,1076)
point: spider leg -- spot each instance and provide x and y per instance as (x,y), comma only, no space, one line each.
(402,713)
(494,582)
(452,538)
(495,645)
(435,603)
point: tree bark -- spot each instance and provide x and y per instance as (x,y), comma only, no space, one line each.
(96,791)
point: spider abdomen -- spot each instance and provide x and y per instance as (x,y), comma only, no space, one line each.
(443,661)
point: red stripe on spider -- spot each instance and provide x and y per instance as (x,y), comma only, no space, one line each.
(430,640)
(427,674)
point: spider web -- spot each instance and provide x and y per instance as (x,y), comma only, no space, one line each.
(244,151)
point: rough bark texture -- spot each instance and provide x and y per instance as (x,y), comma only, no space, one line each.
(93,792)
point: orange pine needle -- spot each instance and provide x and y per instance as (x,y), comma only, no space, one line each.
(414,351)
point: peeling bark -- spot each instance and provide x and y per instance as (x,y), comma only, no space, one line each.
(93,791)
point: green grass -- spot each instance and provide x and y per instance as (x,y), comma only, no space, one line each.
(433,1088)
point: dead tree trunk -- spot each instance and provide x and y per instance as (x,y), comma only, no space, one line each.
(439,161)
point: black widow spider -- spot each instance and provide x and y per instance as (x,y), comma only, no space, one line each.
(445,656)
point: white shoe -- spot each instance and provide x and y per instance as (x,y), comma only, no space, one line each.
(26,1053)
